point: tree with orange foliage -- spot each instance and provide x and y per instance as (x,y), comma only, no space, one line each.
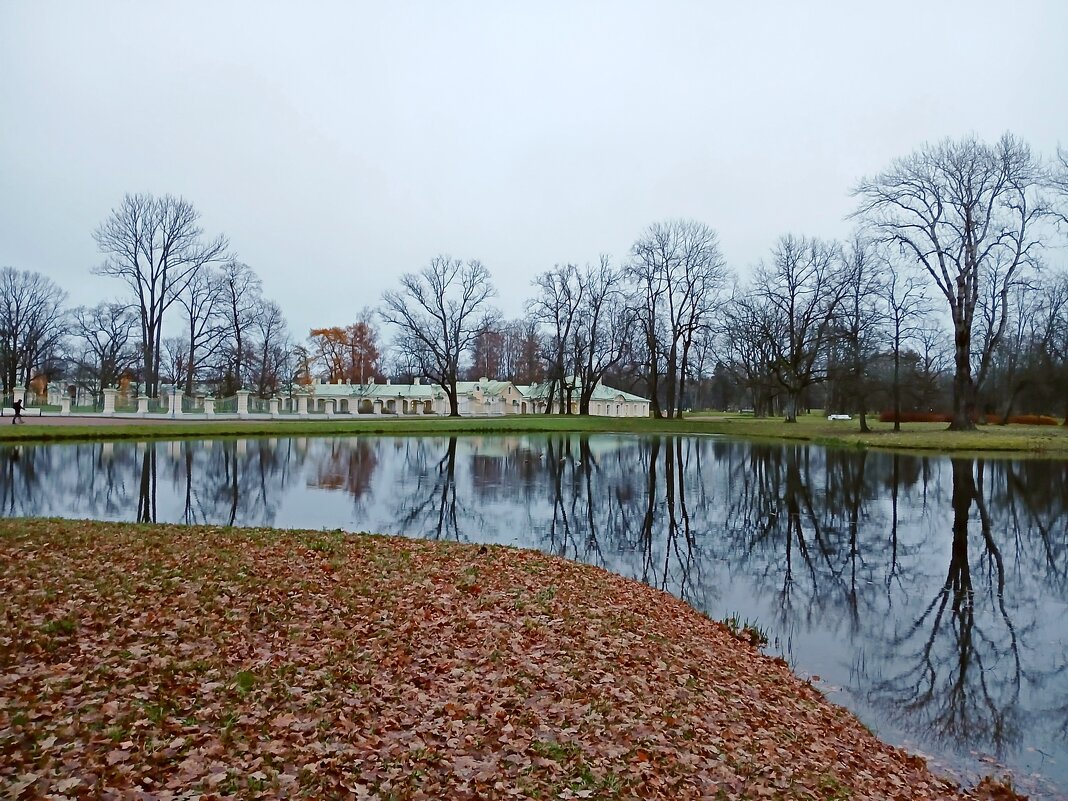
(350,353)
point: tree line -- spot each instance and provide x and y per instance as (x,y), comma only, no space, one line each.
(944,299)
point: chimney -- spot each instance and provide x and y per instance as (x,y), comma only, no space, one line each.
(483,380)
(415,381)
(371,381)
(387,382)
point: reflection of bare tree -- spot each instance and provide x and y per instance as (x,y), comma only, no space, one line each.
(959,671)
(431,506)
(146,495)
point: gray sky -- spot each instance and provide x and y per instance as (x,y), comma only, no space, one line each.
(339,144)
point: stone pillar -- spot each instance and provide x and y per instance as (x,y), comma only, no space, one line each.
(302,405)
(242,403)
(64,404)
(329,406)
(209,406)
(175,403)
(275,406)
(142,405)
(18,393)
(109,400)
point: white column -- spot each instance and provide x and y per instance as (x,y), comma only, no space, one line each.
(176,402)
(275,406)
(242,403)
(142,405)
(18,393)
(329,406)
(64,404)
(209,406)
(302,405)
(109,401)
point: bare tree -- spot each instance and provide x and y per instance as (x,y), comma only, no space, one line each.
(31,324)
(242,298)
(438,313)
(557,306)
(602,332)
(905,305)
(795,300)
(968,213)
(155,246)
(271,347)
(109,347)
(858,325)
(748,350)
(680,276)
(202,301)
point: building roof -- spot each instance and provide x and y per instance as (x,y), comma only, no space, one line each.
(600,392)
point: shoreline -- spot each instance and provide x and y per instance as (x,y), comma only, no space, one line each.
(244,661)
(923,438)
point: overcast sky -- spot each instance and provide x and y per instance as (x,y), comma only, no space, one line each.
(339,145)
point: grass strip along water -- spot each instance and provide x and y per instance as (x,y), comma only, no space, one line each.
(172,662)
(1031,440)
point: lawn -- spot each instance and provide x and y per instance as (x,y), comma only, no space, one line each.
(933,437)
(171,662)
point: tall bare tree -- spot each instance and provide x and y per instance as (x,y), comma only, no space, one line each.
(603,326)
(242,299)
(969,213)
(202,300)
(858,329)
(905,305)
(438,312)
(273,353)
(156,246)
(795,299)
(557,307)
(680,276)
(31,324)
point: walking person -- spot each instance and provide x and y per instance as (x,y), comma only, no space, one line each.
(18,412)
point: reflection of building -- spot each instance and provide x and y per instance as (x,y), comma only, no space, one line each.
(475,398)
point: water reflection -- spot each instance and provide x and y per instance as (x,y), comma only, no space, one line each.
(930,592)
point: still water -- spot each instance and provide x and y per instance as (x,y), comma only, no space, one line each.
(927,594)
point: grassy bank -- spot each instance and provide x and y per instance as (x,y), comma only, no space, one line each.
(933,437)
(194,661)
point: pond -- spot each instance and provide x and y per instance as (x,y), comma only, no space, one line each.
(927,594)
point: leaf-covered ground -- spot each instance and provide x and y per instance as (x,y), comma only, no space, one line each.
(172,662)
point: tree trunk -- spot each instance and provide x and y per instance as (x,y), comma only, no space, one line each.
(791,407)
(670,380)
(897,384)
(963,386)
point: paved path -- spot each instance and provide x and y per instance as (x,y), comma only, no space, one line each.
(94,420)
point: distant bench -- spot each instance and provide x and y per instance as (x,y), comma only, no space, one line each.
(32,411)
(839,417)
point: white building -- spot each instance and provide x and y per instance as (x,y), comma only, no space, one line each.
(484,397)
